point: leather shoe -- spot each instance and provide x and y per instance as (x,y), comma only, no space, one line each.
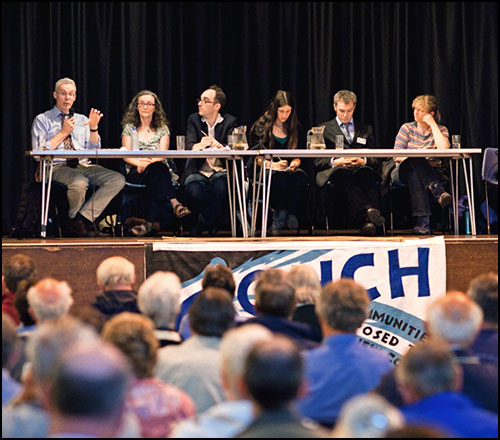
(78,226)
(369,229)
(373,216)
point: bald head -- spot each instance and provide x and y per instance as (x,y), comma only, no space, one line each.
(49,299)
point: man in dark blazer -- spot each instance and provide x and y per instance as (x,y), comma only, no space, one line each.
(205,180)
(356,179)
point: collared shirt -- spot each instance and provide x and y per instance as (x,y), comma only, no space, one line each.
(47,125)
(350,128)
(212,165)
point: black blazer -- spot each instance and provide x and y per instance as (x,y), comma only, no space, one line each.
(194,135)
(323,166)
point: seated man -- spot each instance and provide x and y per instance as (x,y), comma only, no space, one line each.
(205,180)
(357,178)
(62,129)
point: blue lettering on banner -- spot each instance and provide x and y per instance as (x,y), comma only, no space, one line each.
(396,273)
(353,264)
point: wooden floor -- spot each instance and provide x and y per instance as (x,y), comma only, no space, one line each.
(75,259)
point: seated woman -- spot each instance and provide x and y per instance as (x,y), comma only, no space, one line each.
(419,173)
(278,128)
(146,115)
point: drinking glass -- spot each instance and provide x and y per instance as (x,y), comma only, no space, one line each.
(42,142)
(339,142)
(230,141)
(455,141)
(180,142)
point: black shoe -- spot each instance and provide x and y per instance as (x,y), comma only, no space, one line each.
(369,229)
(441,196)
(77,225)
(373,216)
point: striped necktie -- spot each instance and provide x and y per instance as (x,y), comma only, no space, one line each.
(68,145)
(347,132)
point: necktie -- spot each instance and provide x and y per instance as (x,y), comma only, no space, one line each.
(347,133)
(68,145)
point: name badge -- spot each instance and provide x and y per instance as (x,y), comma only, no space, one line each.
(361,141)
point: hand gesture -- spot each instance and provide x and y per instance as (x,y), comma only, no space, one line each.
(94,118)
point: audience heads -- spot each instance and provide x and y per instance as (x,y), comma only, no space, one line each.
(159,298)
(90,383)
(305,282)
(49,299)
(17,268)
(211,313)
(235,346)
(219,276)
(367,416)
(484,291)
(50,340)
(21,301)
(274,295)
(454,318)
(273,373)
(9,339)
(343,305)
(428,368)
(133,335)
(115,271)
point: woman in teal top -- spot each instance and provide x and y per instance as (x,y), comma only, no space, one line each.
(278,128)
(145,115)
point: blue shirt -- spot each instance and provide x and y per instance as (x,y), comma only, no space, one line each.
(340,368)
(455,414)
(47,125)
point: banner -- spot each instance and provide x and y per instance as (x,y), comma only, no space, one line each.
(401,277)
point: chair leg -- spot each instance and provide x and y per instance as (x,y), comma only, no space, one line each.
(487,208)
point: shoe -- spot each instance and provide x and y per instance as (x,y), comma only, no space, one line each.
(442,197)
(292,222)
(373,216)
(141,230)
(369,230)
(279,222)
(78,226)
(422,226)
(181,211)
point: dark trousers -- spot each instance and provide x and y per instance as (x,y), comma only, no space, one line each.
(205,197)
(418,174)
(359,187)
(159,191)
(289,191)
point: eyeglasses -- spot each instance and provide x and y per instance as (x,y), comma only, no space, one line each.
(204,101)
(145,105)
(71,95)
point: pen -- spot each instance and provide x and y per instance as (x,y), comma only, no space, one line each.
(203,133)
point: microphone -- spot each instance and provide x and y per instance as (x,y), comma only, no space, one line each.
(71,112)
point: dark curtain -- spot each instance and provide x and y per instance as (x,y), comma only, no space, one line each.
(387,53)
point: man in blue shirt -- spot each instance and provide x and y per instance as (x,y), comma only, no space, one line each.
(60,128)
(341,367)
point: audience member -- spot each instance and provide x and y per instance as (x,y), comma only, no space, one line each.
(274,305)
(146,116)
(484,291)
(194,366)
(456,319)
(63,129)
(367,416)
(278,129)
(157,405)
(307,286)
(116,278)
(428,377)
(205,180)
(159,299)
(89,315)
(228,418)
(11,388)
(88,392)
(341,367)
(15,269)
(217,275)
(356,178)
(273,377)
(419,173)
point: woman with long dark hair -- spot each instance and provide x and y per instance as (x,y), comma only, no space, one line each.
(278,128)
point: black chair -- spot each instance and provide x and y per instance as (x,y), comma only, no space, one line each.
(489,174)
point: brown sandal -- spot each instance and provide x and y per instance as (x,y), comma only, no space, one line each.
(181,211)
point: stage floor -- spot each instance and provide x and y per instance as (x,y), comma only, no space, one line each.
(76,259)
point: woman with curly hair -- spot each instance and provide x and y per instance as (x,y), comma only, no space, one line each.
(278,128)
(145,115)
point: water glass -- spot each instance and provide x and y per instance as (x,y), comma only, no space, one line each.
(230,141)
(455,141)
(180,142)
(339,142)
(41,142)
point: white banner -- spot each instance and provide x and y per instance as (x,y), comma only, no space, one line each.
(401,277)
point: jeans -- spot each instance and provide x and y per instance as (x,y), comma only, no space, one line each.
(205,197)
(77,180)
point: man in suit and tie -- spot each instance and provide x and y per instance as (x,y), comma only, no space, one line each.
(355,179)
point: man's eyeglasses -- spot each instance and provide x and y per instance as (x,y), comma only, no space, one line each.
(145,105)
(204,101)
(71,95)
